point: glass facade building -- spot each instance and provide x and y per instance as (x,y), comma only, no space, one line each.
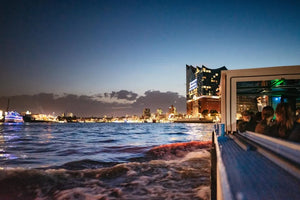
(202,89)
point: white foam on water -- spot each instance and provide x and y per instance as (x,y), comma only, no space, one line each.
(184,175)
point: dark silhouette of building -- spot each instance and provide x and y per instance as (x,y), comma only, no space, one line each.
(146,113)
(202,89)
(172,110)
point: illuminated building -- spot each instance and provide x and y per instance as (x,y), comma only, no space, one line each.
(202,89)
(172,110)
(159,111)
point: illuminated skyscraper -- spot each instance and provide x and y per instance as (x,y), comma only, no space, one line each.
(202,89)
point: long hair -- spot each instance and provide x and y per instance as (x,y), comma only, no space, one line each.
(267,112)
(286,118)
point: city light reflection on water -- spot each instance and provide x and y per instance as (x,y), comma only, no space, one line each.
(8,139)
(46,144)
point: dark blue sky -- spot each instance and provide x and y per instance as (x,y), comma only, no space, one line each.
(93,47)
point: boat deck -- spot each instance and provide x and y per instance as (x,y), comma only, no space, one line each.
(250,175)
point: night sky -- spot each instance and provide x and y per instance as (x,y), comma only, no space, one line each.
(116,57)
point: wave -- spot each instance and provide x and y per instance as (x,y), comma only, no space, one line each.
(175,133)
(171,151)
(125,149)
(84,164)
(103,141)
(173,171)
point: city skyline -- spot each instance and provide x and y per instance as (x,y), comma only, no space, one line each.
(120,52)
(87,106)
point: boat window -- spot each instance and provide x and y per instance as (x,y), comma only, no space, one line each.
(254,95)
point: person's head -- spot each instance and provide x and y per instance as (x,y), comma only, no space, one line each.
(285,115)
(267,112)
(246,116)
(258,116)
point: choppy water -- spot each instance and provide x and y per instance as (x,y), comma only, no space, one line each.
(105,161)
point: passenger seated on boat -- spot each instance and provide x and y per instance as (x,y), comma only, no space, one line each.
(267,121)
(248,123)
(286,127)
(258,117)
(295,134)
(298,114)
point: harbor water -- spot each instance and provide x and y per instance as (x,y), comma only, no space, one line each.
(105,161)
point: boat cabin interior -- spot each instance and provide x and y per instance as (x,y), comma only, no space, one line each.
(253,89)
(245,162)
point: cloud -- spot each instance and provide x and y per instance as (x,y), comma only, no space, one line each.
(117,103)
(124,94)
(122,97)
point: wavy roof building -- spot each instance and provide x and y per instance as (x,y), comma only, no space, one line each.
(202,89)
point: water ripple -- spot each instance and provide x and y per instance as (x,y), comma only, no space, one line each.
(38,144)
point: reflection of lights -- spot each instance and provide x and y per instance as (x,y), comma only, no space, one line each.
(46,138)
(7,156)
(2,140)
(11,137)
(199,131)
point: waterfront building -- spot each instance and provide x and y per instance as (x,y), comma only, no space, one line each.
(159,111)
(202,90)
(172,110)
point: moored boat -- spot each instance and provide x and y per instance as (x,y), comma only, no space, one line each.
(13,117)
